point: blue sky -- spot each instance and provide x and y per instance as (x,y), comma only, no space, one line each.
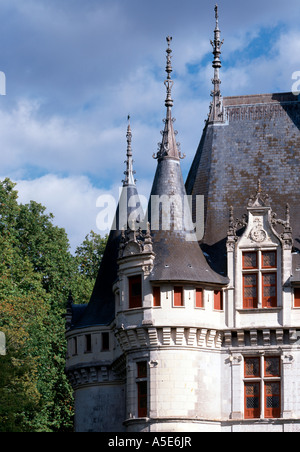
(76,68)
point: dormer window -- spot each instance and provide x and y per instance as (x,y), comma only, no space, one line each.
(260,279)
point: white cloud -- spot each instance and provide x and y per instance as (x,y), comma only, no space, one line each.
(79,68)
(72,201)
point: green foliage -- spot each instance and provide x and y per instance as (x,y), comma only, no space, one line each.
(37,271)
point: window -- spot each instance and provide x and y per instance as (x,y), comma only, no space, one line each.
(156,297)
(88,343)
(142,389)
(218,300)
(135,292)
(75,350)
(262,387)
(252,400)
(297,297)
(199,298)
(178,296)
(250,290)
(105,342)
(259,279)
(269,259)
(269,288)
(250,260)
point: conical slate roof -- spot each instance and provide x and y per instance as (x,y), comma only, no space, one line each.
(178,256)
(245,138)
(101,308)
(259,139)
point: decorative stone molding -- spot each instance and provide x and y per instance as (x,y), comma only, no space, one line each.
(257,112)
(134,242)
(91,374)
(260,337)
(135,338)
(258,208)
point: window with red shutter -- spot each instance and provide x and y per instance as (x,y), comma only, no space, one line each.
(262,387)
(269,259)
(297,297)
(269,290)
(199,298)
(156,297)
(257,274)
(218,300)
(135,292)
(178,296)
(250,260)
(252,400)
(272,399)
(250,293)
(252,367)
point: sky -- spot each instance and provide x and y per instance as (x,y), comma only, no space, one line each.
(75,69)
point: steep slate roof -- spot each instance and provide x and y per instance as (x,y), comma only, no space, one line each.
(258,138)
(177,256)
(101,308)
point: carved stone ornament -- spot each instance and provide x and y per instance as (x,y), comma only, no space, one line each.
(135,242)
(258,234)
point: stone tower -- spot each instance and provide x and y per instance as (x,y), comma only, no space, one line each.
(180,336)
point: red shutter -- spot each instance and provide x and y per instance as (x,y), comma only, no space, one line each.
(252,400)
(297,297)
(218,300)
(156,296)
(199,298)
(178,296)
(135,292)
(272,399)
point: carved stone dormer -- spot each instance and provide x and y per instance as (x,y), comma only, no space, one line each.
(135,242)
(259,223)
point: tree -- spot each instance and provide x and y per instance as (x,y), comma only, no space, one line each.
(35,269)
(88,258)
(37,272)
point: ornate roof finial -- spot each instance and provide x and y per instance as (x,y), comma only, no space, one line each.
(216,111)
(169,82)
(259,199)
(259,188)
(129,173)
(169,147)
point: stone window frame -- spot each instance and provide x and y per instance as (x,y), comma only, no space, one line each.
(260,270)
(261,380)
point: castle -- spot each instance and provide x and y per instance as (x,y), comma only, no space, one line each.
(182,335)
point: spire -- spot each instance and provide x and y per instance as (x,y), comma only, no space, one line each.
(169,148)
(129,173)
(169,82)
(216,113)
